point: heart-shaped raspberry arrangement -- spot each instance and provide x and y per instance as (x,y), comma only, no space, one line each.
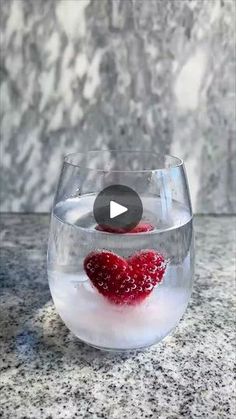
(125,281)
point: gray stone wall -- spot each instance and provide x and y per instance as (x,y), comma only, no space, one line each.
(143,74)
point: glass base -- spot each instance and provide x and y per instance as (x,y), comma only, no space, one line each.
(118,350)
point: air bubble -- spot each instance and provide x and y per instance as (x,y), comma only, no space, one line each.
(148,287)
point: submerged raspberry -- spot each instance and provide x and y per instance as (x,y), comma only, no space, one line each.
(125,281)
(139,228)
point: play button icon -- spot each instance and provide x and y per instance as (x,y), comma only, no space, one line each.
(117,207)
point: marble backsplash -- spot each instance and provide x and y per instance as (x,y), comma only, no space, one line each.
(141,74)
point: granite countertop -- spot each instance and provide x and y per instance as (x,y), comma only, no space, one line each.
(47,373)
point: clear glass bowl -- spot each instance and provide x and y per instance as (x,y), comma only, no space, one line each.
(141,300)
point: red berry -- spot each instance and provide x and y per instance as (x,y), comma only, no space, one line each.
(125,281)
(140,228)
(150,263)
(109,229)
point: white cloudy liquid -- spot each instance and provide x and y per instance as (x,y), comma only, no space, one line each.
(87,313)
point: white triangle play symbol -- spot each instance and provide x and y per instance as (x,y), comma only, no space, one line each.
(116,209)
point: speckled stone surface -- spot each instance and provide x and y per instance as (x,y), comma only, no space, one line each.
(47,373)
(138,74)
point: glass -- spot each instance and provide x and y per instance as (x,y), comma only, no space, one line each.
(146,284)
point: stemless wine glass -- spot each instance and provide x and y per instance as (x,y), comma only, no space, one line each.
(121,290)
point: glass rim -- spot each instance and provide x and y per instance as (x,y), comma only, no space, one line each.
(177,161)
